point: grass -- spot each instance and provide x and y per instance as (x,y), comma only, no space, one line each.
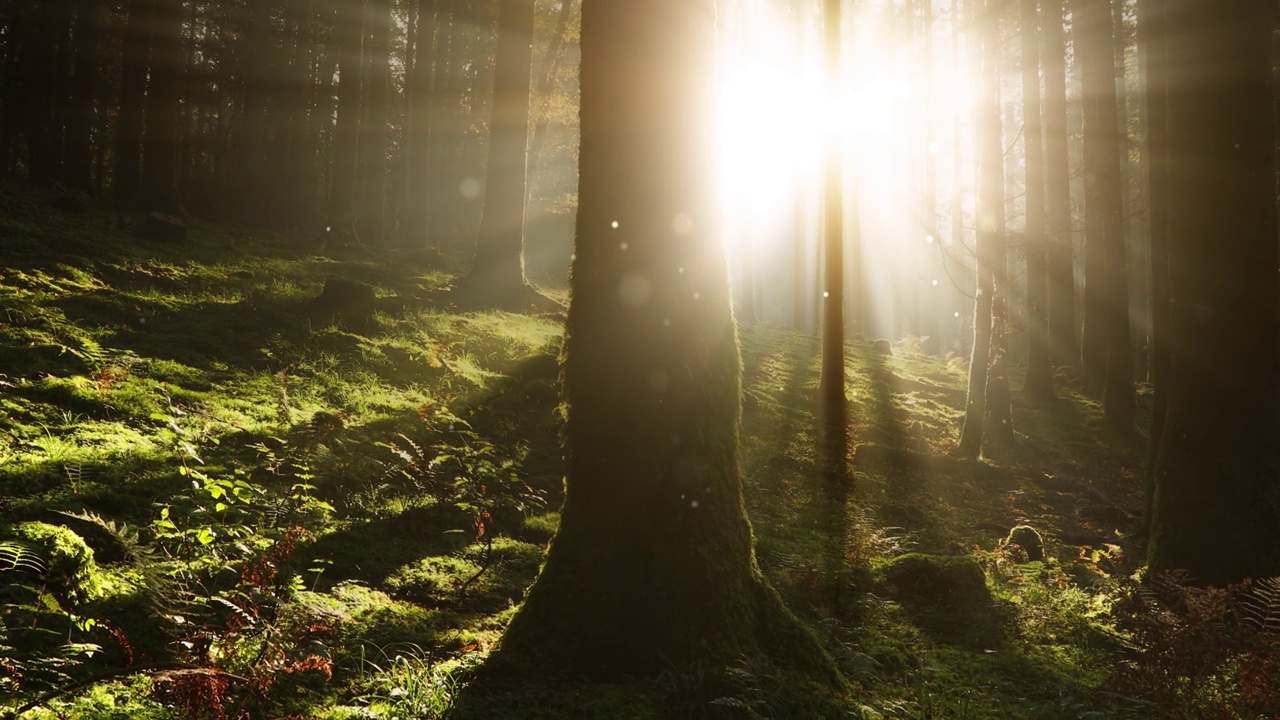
(102,335)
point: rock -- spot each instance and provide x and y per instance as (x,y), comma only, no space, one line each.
(163,228)
(350,299)
(947,596)
(1029,540)
(881,347)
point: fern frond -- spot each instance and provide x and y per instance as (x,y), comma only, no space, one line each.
(1260,606)
(161,589)
(17,555)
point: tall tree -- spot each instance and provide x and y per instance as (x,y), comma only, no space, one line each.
(497,277)
(372,215)
(159,181)
(1216,506)
(832,381)
(348,36)
(1039,380)
(653,562)
(418,130)
(1153,39)
(87,34)
(1058,231)
(990,221)
(1106,352)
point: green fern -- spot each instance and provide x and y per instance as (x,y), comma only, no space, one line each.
(162,591)
(19,556)
(1260,606)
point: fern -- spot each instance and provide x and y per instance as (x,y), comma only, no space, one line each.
(1260,606)
(161,589)
(16,555)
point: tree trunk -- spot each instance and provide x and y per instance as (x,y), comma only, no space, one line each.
(1058,236)
(90,15)
(418,131)
(1216,506)
(45,84)
(372,216)
(832,381)
(653,565)
(1155,58)
(546,82)
(990,221)
(497,277)
(1039,380)
(999,433)
(348,37)
(1107,355)
(159,183)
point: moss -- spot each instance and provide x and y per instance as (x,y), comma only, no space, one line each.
(1029,540)
(946,595)
(71,574)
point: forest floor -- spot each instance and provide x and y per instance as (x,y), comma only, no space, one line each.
(340,505)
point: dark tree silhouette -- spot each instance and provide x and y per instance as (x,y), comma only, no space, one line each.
(1216,507)
(87,35)
(372,214)
(418,131)
(653,564)
(832,381)
(159,181)
(348,38)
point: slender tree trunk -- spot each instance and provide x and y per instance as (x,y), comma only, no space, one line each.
(445,133)
(999,433)
(990,218)
(832,382)
(372,217)
(348,37)
(256,69)
(44,129)
(1061,267)
(653,565)
(1155,55)
(418,183)
(1039,381)
(90,15)
(159,184)
(1216,505)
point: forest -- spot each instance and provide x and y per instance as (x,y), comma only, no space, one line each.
(639,359)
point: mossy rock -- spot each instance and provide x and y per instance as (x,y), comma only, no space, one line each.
(945,595)
(349,299)
(1028,540)
(70,572)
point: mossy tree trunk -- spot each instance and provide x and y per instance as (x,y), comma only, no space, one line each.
(653,564)
(1216,506)
(497,277)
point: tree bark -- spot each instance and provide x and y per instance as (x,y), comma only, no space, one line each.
(418,130)
(497,277)
(831,385)
(348,36)
(653,565)
(1039,380)
(1216,506)
(78,174)
(1061,271)
(159,182)
(1107,355)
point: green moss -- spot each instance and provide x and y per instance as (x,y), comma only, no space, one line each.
(70,574)
(947,595)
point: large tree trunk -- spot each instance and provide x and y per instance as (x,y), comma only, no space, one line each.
(653,564)
(1107,355)
(1039,380)
(348,38)
(1061,270)
(497,277)
(90,15)
(1216,506)
(159,183)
